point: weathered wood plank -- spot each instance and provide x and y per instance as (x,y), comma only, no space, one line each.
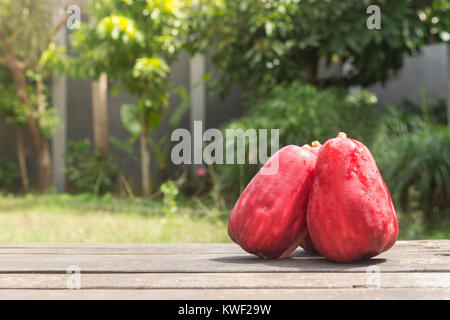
(410,270)
(230,294)
(395,260)
(205,250)
(150,248)
(414,256)
(184,248)
(228,281)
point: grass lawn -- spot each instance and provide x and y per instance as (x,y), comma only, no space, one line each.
(88,219)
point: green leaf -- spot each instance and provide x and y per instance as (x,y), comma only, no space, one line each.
(181,109)
(130,119)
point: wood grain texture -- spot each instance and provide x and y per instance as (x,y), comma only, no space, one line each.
(228,280)
(417,256)
(237,294)
(410,270)
(185,247)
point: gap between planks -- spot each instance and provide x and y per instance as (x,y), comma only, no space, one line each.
(217,263)
(226,281)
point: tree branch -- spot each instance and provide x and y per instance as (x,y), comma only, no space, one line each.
(10,60)
(53,32)
(6,47)
(56,28)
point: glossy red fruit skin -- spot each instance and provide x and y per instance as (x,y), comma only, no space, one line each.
(350,212)
(307,244)
(269,218)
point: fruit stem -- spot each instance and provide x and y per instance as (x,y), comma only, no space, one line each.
(342,134)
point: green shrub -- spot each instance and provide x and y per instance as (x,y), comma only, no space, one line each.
(8,173)
(170,191)
(416,168)
(412,150)
(88,170)
(262,43)
(303,114)
(433,111)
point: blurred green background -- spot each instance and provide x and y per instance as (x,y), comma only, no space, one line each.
(273,50)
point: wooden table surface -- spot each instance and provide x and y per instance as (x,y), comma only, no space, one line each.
(410,270)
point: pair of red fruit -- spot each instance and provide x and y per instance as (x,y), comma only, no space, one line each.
(328,198)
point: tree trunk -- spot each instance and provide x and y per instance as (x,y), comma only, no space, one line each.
(44,167)
(145,163)
(39,141)
(18,70)
(100,113)
(22,160)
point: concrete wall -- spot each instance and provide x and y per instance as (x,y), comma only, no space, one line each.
(428,71)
